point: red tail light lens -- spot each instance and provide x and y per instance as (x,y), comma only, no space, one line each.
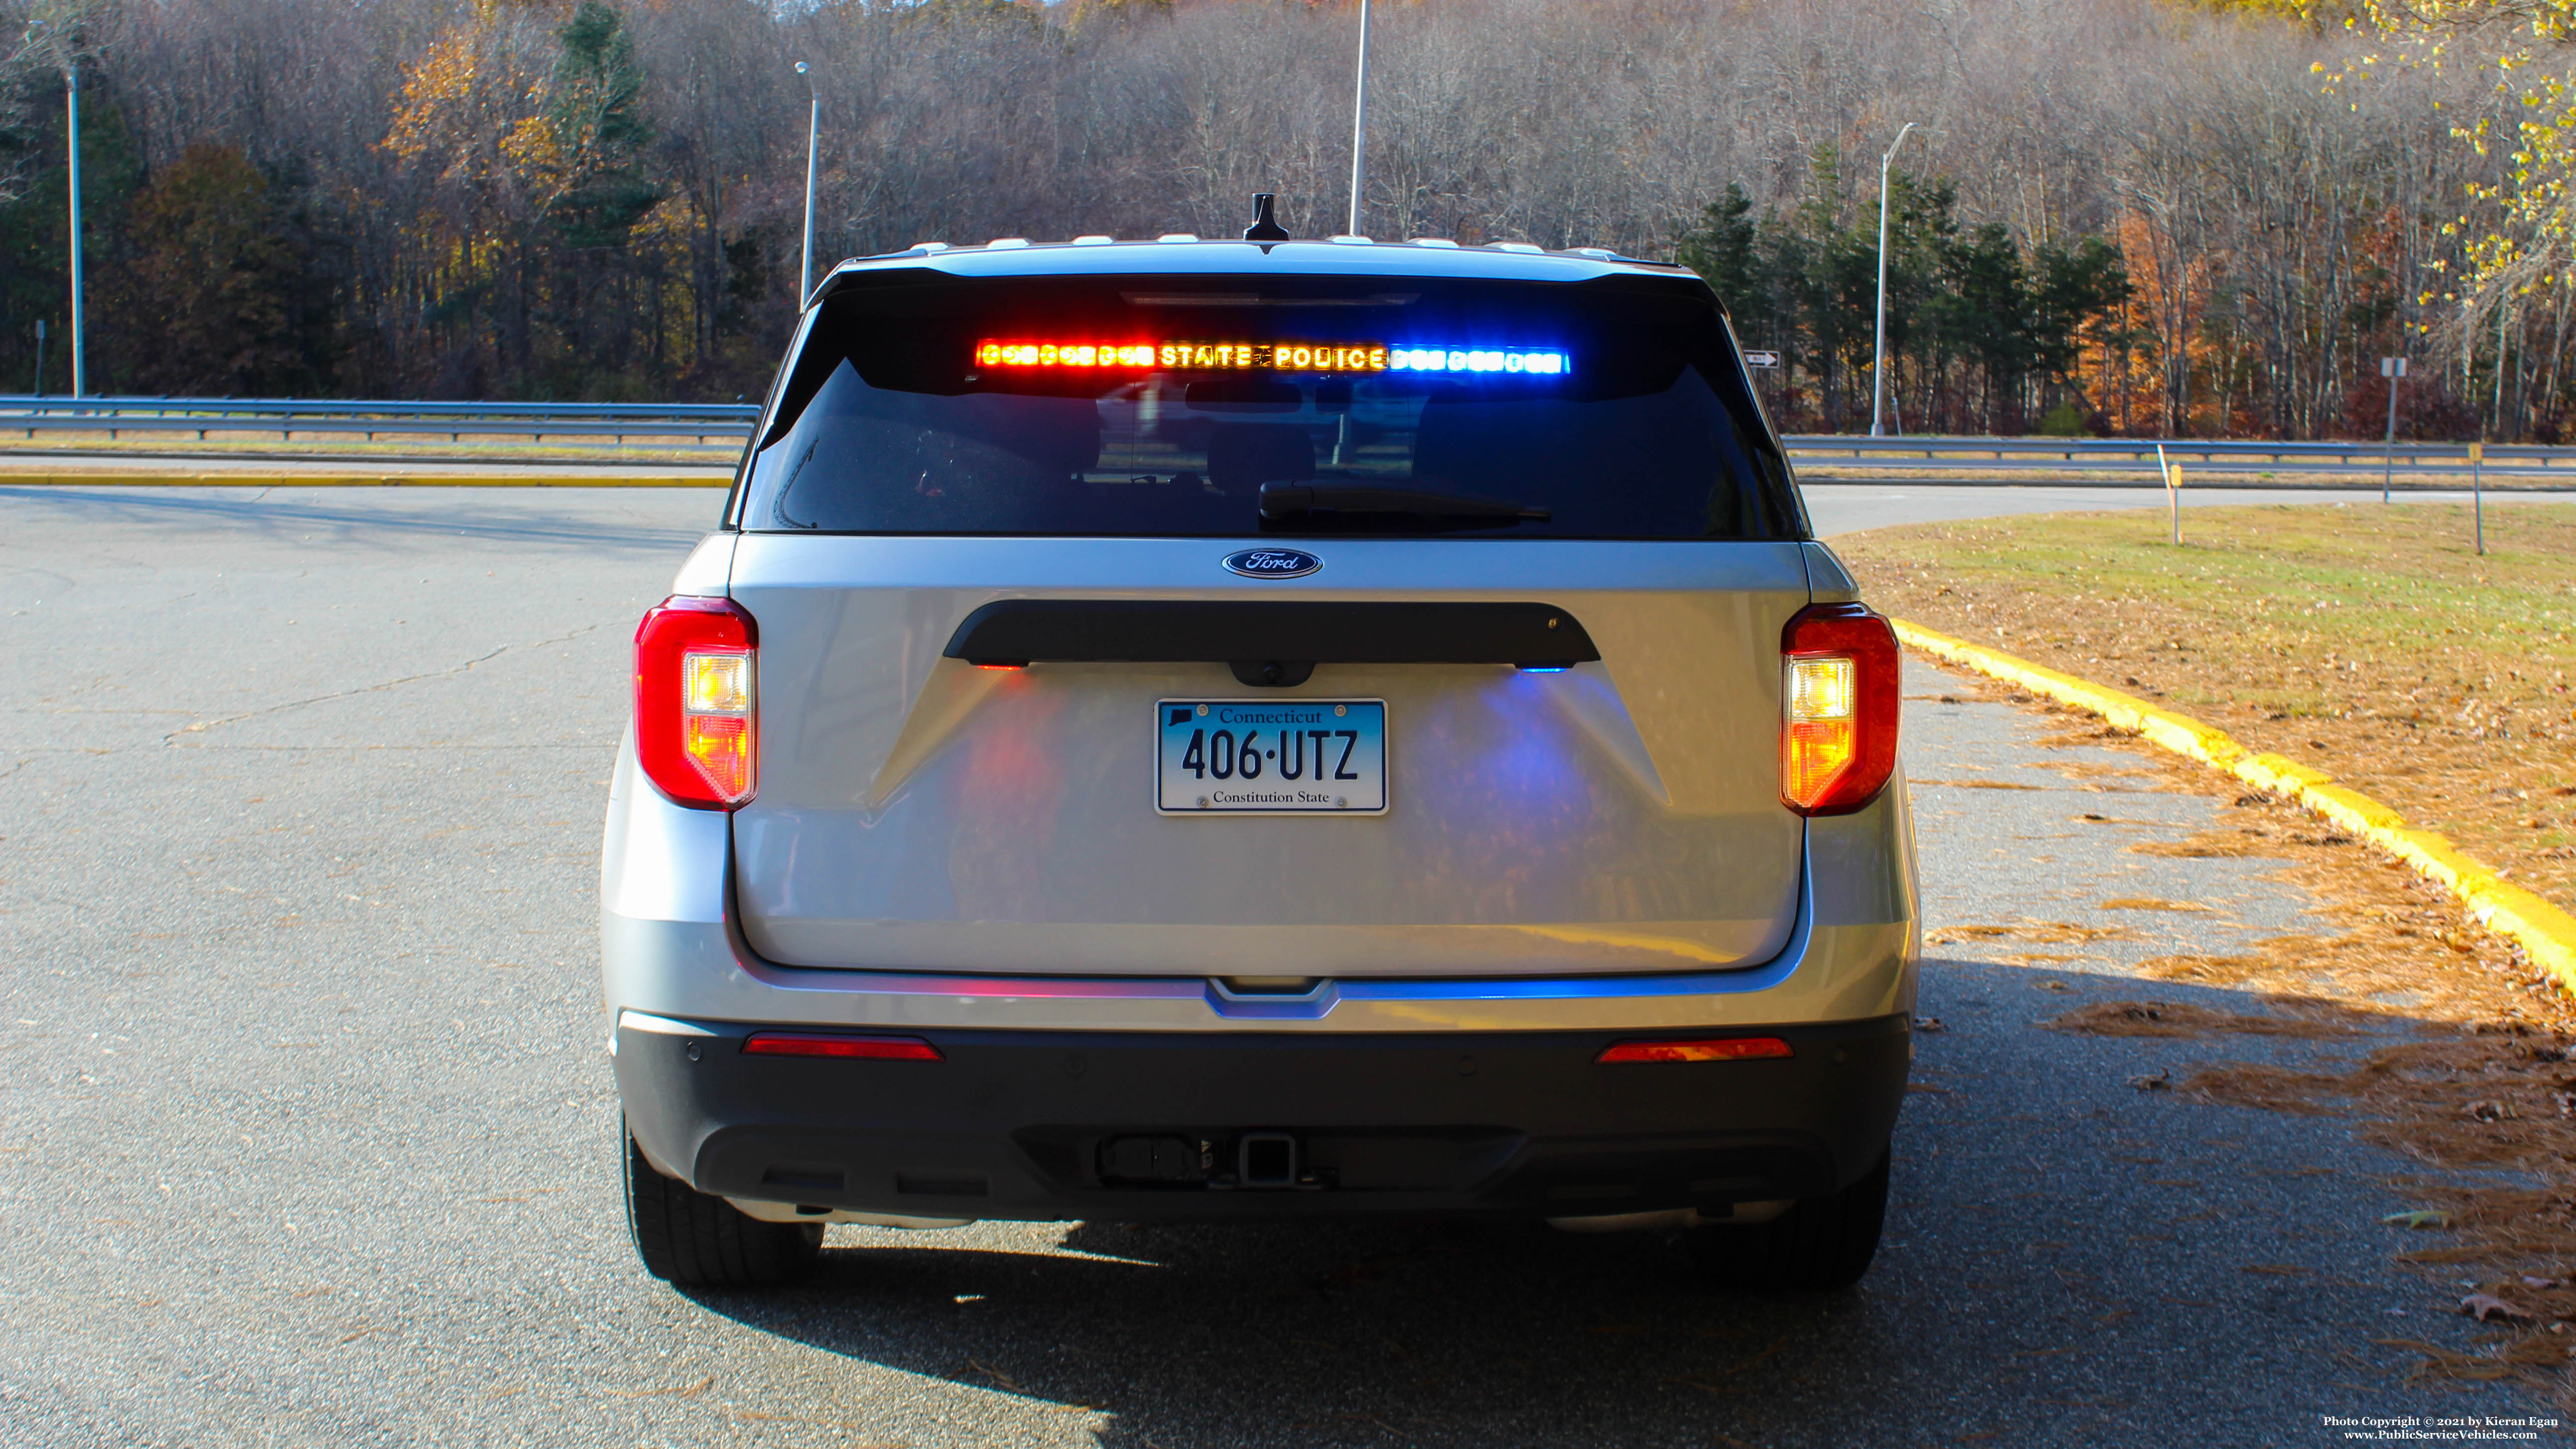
(697,701)
(848,1048)
(1840,689)
(1703,1049)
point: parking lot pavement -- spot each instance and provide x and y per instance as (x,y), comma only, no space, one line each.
(309,1133)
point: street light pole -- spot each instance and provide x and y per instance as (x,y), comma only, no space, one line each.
(2391,368)
(71,109)
(813,127)
(1359,125)
(1878,355)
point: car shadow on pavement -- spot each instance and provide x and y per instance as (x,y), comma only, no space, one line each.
(2078,1245)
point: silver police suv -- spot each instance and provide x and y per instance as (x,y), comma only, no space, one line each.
(1214,730)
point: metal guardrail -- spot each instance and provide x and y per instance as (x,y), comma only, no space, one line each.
(1947,450)
(732,423)
(287,417)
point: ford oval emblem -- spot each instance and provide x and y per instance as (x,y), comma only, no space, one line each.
(1273,563)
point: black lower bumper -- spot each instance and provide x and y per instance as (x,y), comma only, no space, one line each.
(1134,1127)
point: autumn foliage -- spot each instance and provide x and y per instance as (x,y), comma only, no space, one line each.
(2116,215)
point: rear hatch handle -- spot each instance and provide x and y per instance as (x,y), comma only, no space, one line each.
(1270,643)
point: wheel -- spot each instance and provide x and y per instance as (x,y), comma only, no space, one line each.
(698,1241)
(1823,1242)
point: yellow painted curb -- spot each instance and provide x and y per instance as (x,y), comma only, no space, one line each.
(2545,933)
(356,480)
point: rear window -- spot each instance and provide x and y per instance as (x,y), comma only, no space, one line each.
(1155,406)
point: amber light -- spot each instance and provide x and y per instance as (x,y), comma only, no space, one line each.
(847,1048)
(1839,697)
(1703,1049)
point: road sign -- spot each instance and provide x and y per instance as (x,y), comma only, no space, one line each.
(1761,359)
(2392,367)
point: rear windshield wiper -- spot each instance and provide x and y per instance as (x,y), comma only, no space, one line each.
(1360,506)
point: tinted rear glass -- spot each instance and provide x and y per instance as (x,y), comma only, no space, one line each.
(921,403)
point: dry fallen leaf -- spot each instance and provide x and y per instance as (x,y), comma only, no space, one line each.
(2161,1081)
(2419,1218)
(2486,1306)
(1929,1024)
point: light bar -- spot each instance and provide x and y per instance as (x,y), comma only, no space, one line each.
(1244,355)
(1191,356)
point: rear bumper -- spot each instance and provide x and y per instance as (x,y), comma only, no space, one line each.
(1146,1126)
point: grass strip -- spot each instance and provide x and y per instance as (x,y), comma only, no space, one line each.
(2368,642)
(2546,934)
(2376,661)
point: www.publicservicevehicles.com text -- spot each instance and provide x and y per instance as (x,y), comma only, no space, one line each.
(2410,1428)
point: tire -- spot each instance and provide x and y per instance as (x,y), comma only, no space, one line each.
(1822,1243)
(694,1240)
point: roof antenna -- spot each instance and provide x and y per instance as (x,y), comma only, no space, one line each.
(1264,227)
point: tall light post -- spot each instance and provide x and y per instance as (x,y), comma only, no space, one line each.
(1359,125)
(813,127)
(1878,354)
(71,110)
(41,35)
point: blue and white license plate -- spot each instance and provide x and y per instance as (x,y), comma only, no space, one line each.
(1270,756)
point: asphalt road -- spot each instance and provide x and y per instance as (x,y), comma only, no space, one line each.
(309,1136)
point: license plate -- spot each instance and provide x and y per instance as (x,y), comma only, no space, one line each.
(1270,757)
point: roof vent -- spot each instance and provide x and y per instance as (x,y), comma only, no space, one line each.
(1178,236)
(1435,241)
(1604,253)
(1348,241)
(1518,247)
(1005,243)
(930,246)
(1093,241)
(1265,227)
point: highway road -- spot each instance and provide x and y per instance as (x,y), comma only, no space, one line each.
(309,1132)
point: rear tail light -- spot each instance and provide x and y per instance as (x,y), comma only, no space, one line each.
(697,701)
(1839,693)
(1699,1049)
(847,1048)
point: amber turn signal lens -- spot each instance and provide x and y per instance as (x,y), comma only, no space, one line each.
(1705,1049)
(719,746)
